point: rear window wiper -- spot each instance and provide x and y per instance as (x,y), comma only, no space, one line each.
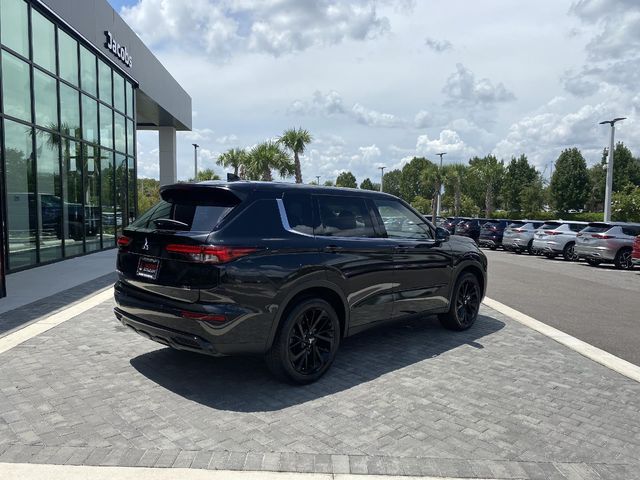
(170,224)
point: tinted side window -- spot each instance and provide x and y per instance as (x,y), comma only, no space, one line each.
(631,231)
(400,222)
(576,228)
(299,210)
(344,217)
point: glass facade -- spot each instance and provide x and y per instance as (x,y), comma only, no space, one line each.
(67,133)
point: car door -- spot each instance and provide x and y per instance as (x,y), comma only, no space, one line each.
(422,266)
(359,260)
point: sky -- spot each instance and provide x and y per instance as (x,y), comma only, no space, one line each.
(377,82)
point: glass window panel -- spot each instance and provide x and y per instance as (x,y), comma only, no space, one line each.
(108,199)
(130,138)
(16,91)
(73,214)
(69,110)
(130,111)
(49,202)
(104,79)
(88,72)
(121,191)
(120,133)
(132,189)
(106,127)
(15,26)
(89,119)
(118,92)
(68,58)
(21,202)
(46,99)
(44,41)
(93,219)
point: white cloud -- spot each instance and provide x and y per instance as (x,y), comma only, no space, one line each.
(374,118)
(423,119)
(438,46)
(448,141)
(462,87)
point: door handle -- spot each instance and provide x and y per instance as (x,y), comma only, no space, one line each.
(332,249)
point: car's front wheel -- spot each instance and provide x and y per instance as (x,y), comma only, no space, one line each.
(623,259)
(569,252)
(465,304)
(307,342)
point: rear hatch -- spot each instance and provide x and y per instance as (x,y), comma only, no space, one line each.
(513,229)
(594,234)
(166,251)
(492,228)
(547,229)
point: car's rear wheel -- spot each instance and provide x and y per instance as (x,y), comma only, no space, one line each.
(465,304)
(307,342)
(569,252)
(593,262)
(623,259)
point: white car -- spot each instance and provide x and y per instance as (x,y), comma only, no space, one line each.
(558,238)
(518,236)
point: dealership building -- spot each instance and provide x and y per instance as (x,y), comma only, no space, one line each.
(76,84)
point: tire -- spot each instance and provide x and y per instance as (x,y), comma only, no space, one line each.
(592,262)
(550,255)
(569,252)
(623,259)
(530,248)
(306,343)
(465,304)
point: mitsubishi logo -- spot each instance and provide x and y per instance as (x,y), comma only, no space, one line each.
(146,244)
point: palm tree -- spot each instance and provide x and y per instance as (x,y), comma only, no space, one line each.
(454,174)
(234,157)
(296,140)
(265,157)
(490,172)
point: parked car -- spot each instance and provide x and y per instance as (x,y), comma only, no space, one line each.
(518,236)
(608,242)
(451,222)
(470,228)
(635,254)
(558,238)
(492,232)
(287,271)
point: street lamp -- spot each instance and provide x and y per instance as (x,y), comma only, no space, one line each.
(439,185)
(317,179)
(195,161)
(609,187)
(381,176)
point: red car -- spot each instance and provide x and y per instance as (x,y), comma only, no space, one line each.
(635,255)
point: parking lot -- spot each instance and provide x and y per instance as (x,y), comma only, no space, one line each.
(599,305)
(497,401)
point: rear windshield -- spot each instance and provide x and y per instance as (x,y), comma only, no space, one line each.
(182,216)
(516,224)
(551,225)
(597,228)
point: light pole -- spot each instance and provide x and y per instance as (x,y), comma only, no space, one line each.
(317,179)
(381,176)
(195,161)
(609,188)
(439,184)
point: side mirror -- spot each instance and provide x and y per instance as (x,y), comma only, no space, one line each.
(442,234)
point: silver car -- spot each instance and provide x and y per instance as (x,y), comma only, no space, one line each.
(518,236)
(558,238)
(608,242)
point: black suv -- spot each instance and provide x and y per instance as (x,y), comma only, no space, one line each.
(287,271)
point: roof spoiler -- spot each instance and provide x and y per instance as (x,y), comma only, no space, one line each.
(232,177)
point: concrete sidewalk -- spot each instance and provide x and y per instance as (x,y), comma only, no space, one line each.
(497,401)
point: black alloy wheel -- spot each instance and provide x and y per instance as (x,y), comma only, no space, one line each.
(307,342)
(569,252)
(465,304)
(623,259)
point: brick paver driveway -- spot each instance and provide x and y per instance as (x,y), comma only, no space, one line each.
(497,401)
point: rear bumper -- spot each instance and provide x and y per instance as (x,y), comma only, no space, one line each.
(515,243)
(595,252)
(490,241)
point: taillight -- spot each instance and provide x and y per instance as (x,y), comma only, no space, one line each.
(205,317)
(519,230)
(209,253)
(124,241)
(552,232)
(602,236)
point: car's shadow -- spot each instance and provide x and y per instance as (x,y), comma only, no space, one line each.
(244,384)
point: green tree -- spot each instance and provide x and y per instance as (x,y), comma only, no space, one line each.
(265,157)
(419,178)
(148,194)
(329,183)
(490,173)
(625,205)
(296,141)
(235,158)
(518,175)
(422,204)
(346,179)
(532,198)
(367,184)
(570,184)
(454,177)
(205,175)
(391,182)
